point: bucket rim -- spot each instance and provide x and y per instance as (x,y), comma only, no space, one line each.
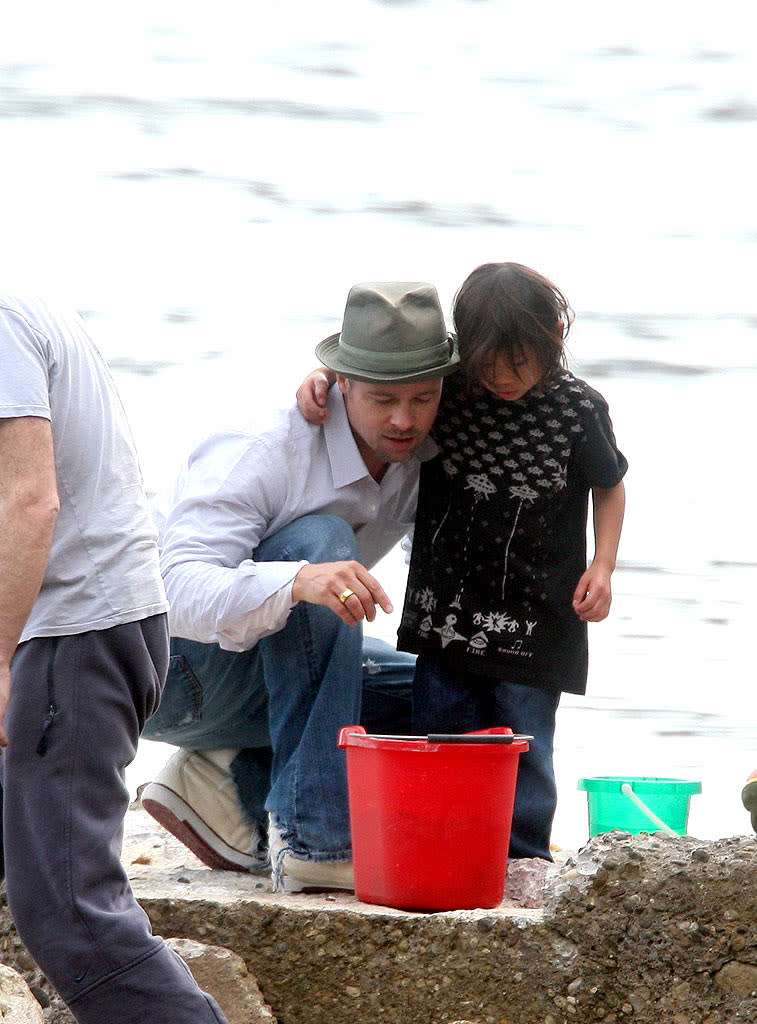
(356,736)
(639,783)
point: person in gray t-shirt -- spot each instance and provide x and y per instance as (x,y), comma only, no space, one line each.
(83,656)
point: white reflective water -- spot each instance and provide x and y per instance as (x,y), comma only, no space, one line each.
(206,182)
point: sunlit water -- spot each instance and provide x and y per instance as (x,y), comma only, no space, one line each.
(205,183)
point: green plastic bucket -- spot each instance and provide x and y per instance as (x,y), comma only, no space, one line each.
(638,803)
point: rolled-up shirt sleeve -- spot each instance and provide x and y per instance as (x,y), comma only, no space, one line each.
(223,508)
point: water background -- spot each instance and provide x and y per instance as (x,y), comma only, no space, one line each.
(205,182)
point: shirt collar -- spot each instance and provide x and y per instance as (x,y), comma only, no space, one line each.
(347,464)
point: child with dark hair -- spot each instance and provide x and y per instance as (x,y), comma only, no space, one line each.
(499,592)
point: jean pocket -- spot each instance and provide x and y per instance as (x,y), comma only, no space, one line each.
(180,703)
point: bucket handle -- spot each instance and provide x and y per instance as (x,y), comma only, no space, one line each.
(443,737)
(453,737)
(627,790)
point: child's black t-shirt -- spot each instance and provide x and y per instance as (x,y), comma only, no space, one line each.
(500,534)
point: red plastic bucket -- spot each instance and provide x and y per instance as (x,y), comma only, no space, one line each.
(431,820)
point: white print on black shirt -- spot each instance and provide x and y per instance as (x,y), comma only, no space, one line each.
(500,537)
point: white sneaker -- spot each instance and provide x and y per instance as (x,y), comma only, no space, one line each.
(195,798)
(290,873)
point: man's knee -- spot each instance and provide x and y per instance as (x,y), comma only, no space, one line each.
(212,698)
(317,538)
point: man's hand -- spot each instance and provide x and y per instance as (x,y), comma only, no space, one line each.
(325,582)
(312,395)
(593,595)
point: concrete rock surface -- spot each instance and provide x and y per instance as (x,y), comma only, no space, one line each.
(225,976)
(635,929)
(632,928)
(17,1004)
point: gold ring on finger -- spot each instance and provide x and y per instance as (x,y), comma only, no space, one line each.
(345,594)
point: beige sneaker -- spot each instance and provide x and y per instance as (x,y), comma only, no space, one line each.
(195,798)
(294,874)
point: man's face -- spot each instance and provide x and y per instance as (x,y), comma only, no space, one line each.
(389,421)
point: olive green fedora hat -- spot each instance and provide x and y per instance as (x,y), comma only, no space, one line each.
(392,331)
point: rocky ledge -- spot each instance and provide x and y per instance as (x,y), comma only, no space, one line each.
(632,928)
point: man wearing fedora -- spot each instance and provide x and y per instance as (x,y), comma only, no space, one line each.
(266,546)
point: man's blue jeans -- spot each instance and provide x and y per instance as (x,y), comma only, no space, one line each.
(450,700)
(290,694)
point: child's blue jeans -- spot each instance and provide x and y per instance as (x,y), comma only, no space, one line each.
(447,699)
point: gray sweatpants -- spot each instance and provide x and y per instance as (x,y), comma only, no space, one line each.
(78,704)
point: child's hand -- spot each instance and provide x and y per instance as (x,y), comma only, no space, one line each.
(593,595)
(312,396)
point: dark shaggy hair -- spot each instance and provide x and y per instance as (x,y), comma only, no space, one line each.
(507,311)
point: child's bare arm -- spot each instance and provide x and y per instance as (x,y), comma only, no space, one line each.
(593,595)
(312,395)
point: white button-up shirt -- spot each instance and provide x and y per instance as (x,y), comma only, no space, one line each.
(238,489)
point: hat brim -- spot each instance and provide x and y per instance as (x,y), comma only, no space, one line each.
(328,353)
